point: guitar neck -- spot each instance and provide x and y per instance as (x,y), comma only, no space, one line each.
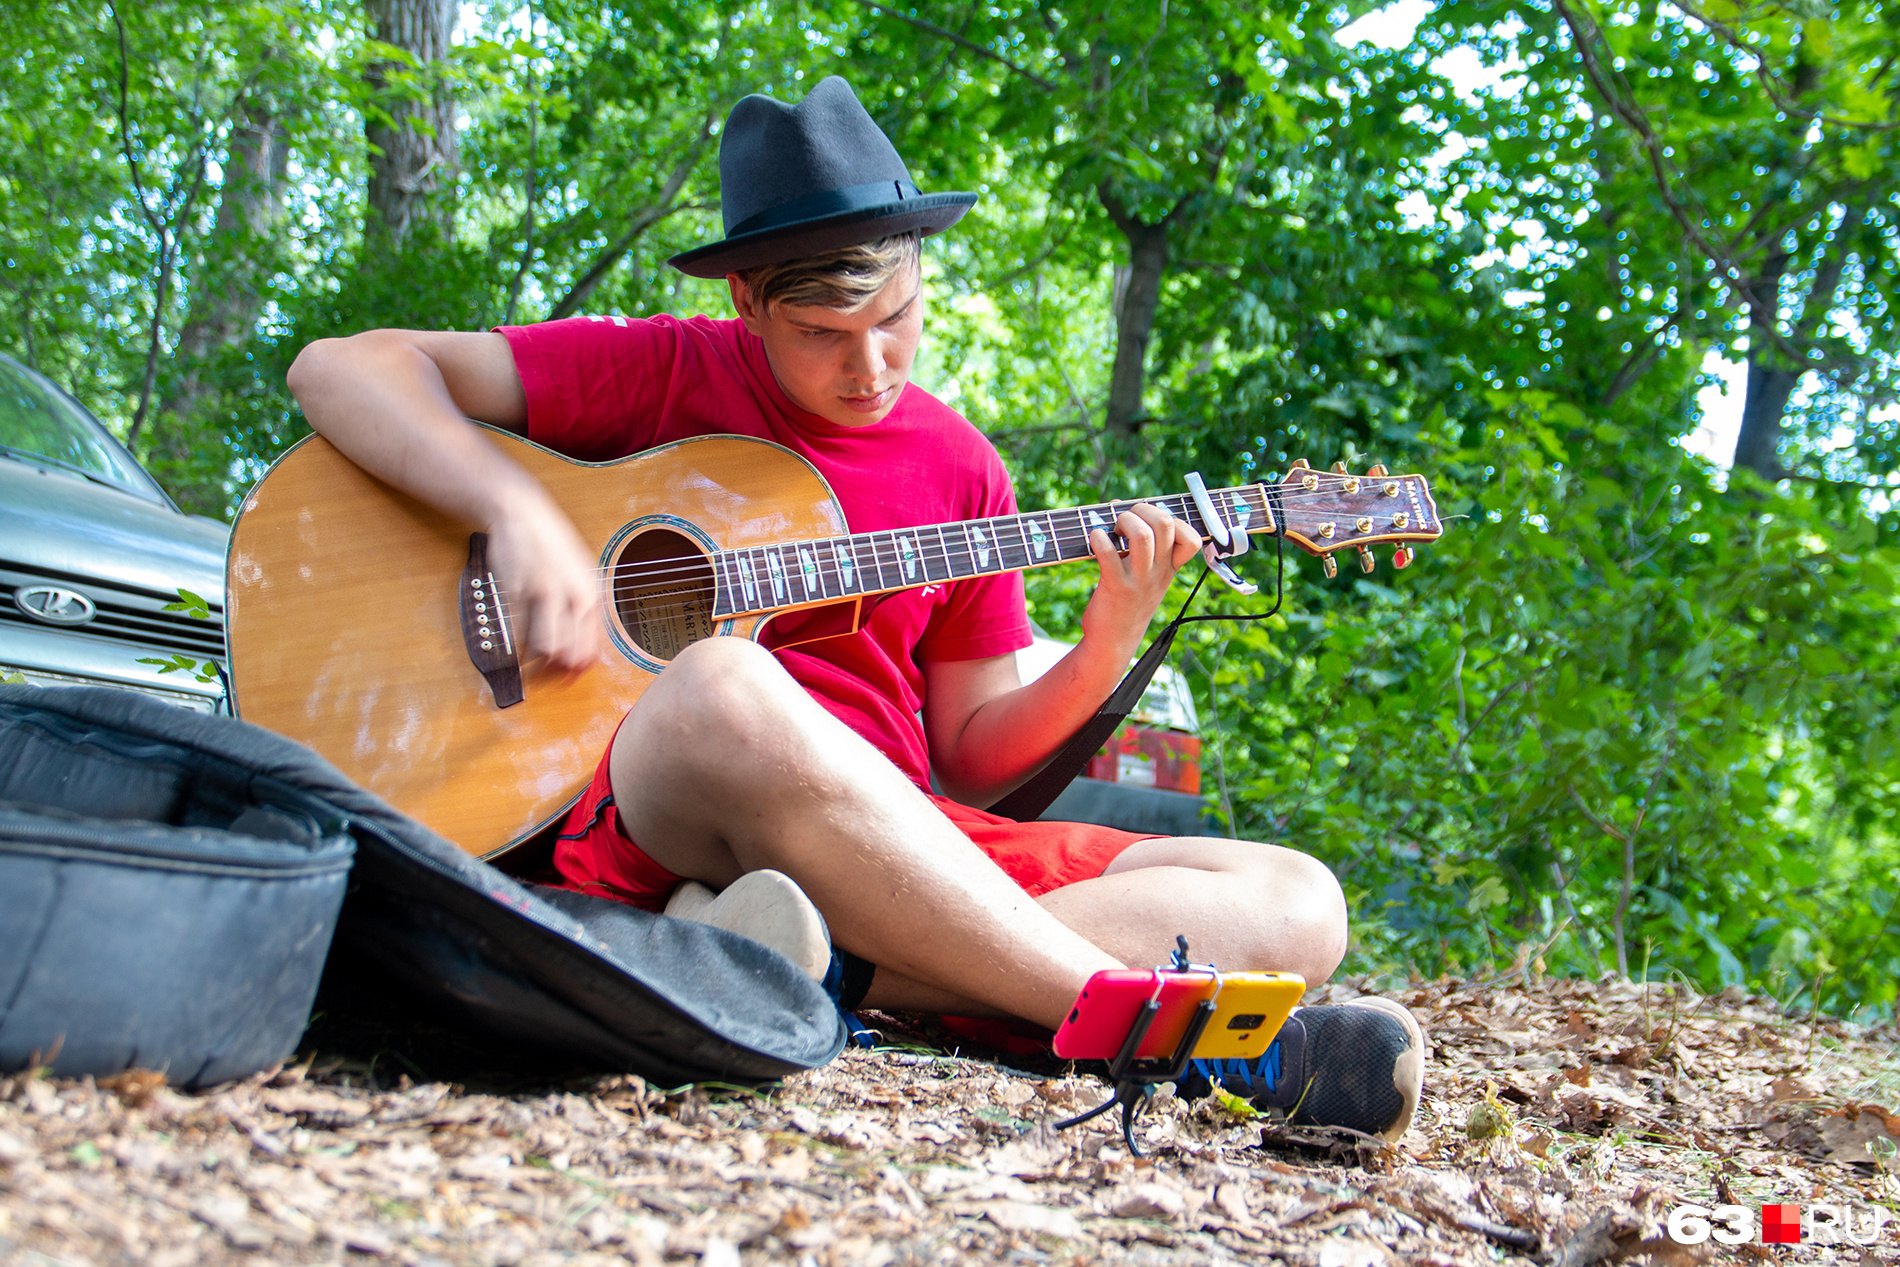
(765,579)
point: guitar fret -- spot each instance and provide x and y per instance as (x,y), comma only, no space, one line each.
(1081,527)
(1012,552)
(775,572)
(929,553)
(722,587)
(748,580)
(952,549)
(950,552)
(977,539)
(1041,538)
(841,565)
(909,563)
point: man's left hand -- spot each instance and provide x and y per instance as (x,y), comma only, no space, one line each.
(1134,582)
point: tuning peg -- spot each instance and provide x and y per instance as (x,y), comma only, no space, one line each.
(1300,464)
(1366,561)
(1330,565)
(1402,557)
(1339,468)
(1376,470)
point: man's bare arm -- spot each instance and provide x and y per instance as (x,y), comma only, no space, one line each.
(988,733)
(396,402)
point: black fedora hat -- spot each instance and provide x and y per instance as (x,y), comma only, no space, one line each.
(805,179)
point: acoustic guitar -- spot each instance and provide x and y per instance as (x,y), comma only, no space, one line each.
(368,626)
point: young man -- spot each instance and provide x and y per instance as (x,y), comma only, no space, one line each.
(742,765)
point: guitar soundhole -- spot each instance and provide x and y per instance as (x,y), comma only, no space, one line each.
(663,592)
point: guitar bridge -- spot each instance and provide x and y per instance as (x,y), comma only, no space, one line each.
(485,633)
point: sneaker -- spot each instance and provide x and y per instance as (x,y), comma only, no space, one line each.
(766,906)
(1359,1065)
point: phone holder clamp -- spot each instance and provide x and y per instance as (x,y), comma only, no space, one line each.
(1135,1078)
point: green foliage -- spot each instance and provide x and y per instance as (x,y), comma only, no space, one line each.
(198,608)
(1625,702)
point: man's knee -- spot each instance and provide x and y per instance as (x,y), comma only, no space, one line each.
(1316,904)
(1303,910)
(717,685)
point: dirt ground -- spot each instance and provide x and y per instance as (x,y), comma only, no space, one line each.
(1597,1108)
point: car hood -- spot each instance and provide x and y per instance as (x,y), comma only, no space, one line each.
(52,521)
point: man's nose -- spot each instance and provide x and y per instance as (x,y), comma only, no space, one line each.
(865,361)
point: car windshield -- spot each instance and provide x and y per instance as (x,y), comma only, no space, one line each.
(37,419)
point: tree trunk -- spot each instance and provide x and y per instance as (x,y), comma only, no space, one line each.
(1769,383)
(1140,296)
(224,299)
(1758,446)
(224,302)
(413,162)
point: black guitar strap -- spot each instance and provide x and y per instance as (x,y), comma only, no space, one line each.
(1034,797)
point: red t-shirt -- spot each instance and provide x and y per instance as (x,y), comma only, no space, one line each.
(600,388)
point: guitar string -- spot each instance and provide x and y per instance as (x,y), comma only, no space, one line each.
(700,596)
(633,577)
(1061,534)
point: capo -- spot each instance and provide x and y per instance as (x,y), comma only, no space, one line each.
(1226,540)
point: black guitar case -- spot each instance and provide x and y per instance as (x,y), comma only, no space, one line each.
(170,884)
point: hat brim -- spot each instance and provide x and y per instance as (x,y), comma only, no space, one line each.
(928,214)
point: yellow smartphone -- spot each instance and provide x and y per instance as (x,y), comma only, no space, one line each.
(1249,1008)
(1248,1012)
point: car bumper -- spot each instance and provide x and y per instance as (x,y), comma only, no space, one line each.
(56,659)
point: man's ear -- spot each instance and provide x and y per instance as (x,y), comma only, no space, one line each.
(743,304)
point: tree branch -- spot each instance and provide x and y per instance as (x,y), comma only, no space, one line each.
(954,38)
(642,221)
(1583,33)
(1769,84)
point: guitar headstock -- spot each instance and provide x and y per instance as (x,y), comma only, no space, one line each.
(1323,512)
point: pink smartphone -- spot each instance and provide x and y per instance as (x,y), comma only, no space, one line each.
(1248,1011)
(1109,1003)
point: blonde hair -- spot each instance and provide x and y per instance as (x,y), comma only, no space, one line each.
(845,279)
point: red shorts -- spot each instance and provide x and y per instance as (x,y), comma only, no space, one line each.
(593,854)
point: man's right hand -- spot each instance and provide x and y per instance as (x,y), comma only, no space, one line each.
(397,403)
(549,582)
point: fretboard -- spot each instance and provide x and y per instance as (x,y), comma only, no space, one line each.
(798,573)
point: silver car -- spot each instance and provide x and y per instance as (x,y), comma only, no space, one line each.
(92,552)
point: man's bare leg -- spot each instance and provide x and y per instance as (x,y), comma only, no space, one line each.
(1243,906)
(726,766)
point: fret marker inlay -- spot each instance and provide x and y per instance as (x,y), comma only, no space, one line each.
(982,546)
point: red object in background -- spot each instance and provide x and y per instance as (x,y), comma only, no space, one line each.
(1146,757)
(1781,1225)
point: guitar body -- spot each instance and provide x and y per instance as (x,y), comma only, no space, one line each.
(344,611)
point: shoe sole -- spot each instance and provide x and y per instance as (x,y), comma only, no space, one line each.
(768,907)
(1408,1071)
